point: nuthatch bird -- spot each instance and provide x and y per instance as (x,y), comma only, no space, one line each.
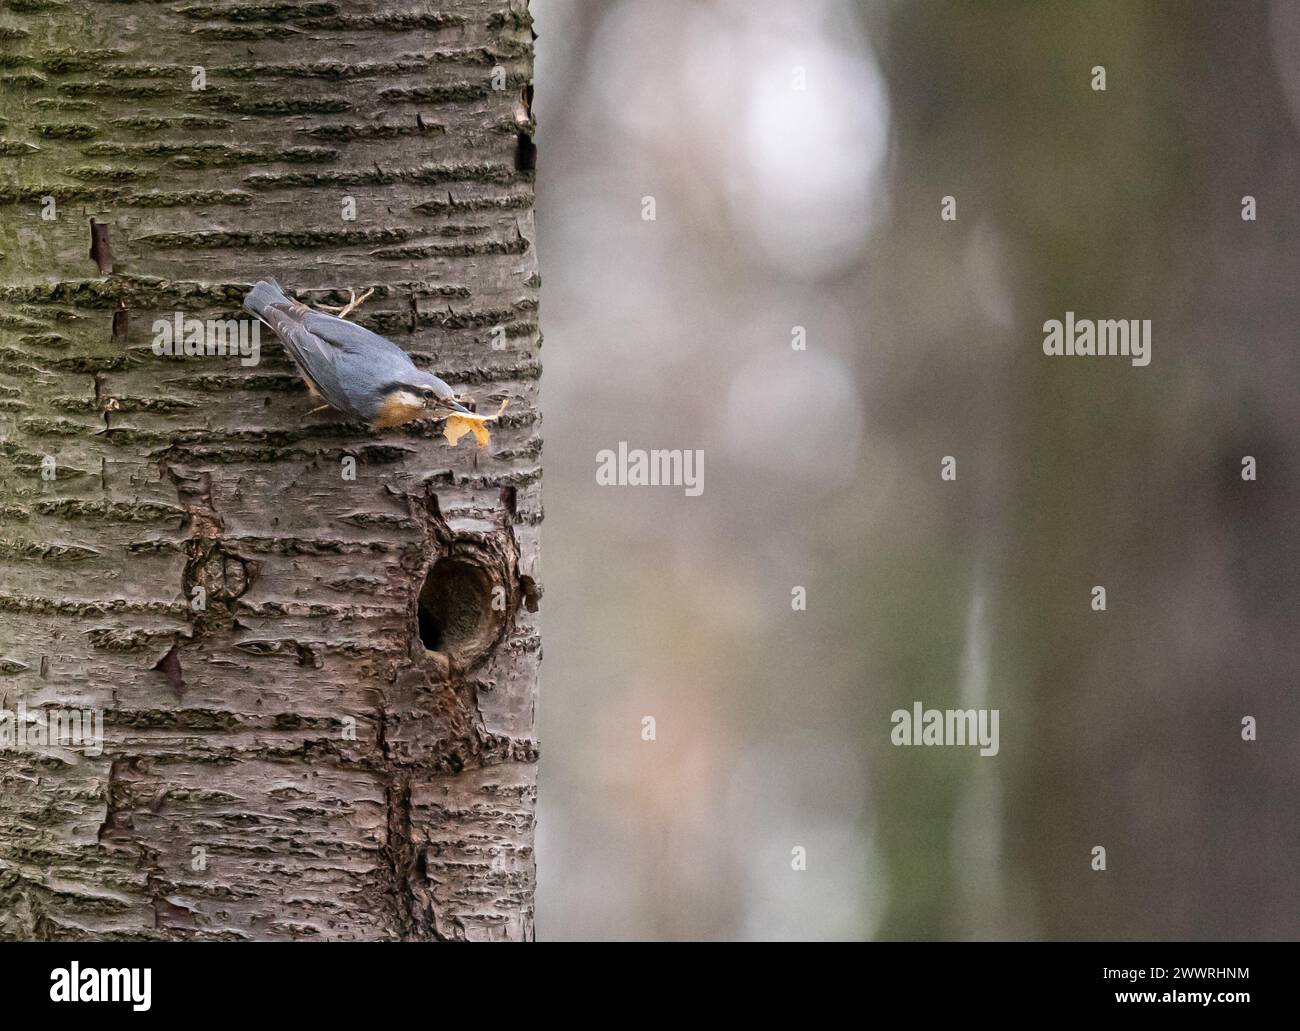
(350,368)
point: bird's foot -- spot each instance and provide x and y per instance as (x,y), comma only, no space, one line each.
(352,305)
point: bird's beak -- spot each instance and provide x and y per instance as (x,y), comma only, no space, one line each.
(438,402)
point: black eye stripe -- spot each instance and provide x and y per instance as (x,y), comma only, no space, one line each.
(393,388)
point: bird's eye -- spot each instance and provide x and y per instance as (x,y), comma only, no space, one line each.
(427,391)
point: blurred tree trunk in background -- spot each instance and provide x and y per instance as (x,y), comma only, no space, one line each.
(1120,729)
(317,688)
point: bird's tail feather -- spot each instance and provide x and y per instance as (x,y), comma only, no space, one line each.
(263,295)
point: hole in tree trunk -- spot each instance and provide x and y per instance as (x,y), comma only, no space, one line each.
(100,251)
(430,631)
(455,612)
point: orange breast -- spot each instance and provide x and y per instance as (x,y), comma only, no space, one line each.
(395,410)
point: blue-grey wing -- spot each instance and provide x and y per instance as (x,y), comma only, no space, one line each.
(364,360)
(315,357)
(351,337)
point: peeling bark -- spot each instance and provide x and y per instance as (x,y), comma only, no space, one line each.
(284,758)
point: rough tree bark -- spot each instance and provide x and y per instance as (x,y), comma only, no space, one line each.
(233,799)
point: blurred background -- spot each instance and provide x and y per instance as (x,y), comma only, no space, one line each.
(798,154)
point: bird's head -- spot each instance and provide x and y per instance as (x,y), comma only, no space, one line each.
(415,394)
(433,392)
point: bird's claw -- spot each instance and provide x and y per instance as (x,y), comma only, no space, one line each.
(354,303)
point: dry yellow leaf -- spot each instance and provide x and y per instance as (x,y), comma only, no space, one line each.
(458,424)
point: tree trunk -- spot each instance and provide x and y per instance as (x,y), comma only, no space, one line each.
(317,688)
